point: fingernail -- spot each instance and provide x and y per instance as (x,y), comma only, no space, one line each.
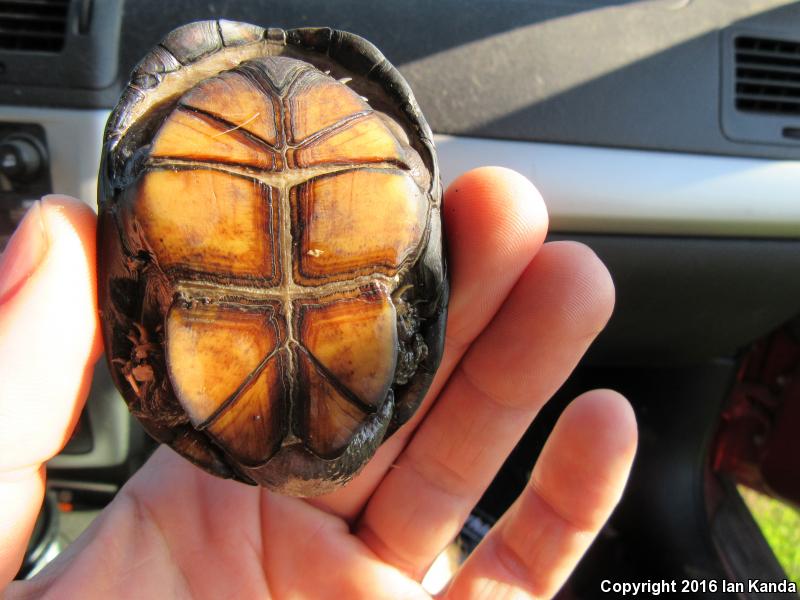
(24,253)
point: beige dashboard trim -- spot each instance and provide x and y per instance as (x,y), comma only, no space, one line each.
(604,190)
(587,189)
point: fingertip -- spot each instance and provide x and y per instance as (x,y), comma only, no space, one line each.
(610,417)
(585,463)
(497,194)
(591,292)
(67,219)
(495,223)
(72,225)
(67,203)
(24,253)
(574,487)
(493,175)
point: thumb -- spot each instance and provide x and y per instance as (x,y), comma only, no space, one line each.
(48,344)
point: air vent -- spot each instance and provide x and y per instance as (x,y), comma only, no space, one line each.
(767,76)
(33,25)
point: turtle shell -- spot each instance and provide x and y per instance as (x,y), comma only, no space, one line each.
(272,281)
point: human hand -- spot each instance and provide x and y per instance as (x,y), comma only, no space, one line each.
(521,315)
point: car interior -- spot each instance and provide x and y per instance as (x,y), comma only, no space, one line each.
(664,134)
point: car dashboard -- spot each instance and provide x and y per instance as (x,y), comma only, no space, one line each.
(664,134)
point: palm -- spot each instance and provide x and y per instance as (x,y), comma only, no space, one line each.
(228,541)
(520,317)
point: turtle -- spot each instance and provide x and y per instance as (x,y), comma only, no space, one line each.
(272,279)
